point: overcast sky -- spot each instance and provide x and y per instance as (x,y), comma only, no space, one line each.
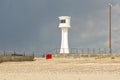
(32,25)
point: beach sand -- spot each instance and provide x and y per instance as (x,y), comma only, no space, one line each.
(62,69)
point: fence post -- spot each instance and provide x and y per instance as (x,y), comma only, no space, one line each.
(24,53)
(71,50)
(99,50)
(55,50)
(105,50)
(93,50)
(14,53)
(111,52)
(88,52)
(76,50)
(82,51)
(4,53)
(33,53)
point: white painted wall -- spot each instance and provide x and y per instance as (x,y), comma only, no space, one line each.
(64,39)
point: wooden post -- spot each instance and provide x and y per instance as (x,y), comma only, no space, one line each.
(110,30)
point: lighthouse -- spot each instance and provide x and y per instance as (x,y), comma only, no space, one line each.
(64,25)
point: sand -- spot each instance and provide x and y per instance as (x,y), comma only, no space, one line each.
(62,69)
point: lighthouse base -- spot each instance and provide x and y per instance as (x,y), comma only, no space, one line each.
(64,50)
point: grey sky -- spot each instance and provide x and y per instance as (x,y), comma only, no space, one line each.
(32,25)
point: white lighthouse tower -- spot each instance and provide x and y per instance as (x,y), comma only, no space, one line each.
(64,25)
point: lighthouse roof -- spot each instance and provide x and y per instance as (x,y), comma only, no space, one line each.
(64,17)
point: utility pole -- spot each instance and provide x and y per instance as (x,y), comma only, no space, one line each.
(110,30)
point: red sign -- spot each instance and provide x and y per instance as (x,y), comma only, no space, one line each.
(49,56)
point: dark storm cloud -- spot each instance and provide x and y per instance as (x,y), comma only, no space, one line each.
(33,24)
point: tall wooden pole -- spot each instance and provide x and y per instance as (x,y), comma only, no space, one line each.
(110,30)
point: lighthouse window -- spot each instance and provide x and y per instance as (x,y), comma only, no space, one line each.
(63,21)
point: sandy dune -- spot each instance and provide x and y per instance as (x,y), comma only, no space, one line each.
(62,69)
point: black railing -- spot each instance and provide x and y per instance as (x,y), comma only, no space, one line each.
(15,53)
(87,51)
